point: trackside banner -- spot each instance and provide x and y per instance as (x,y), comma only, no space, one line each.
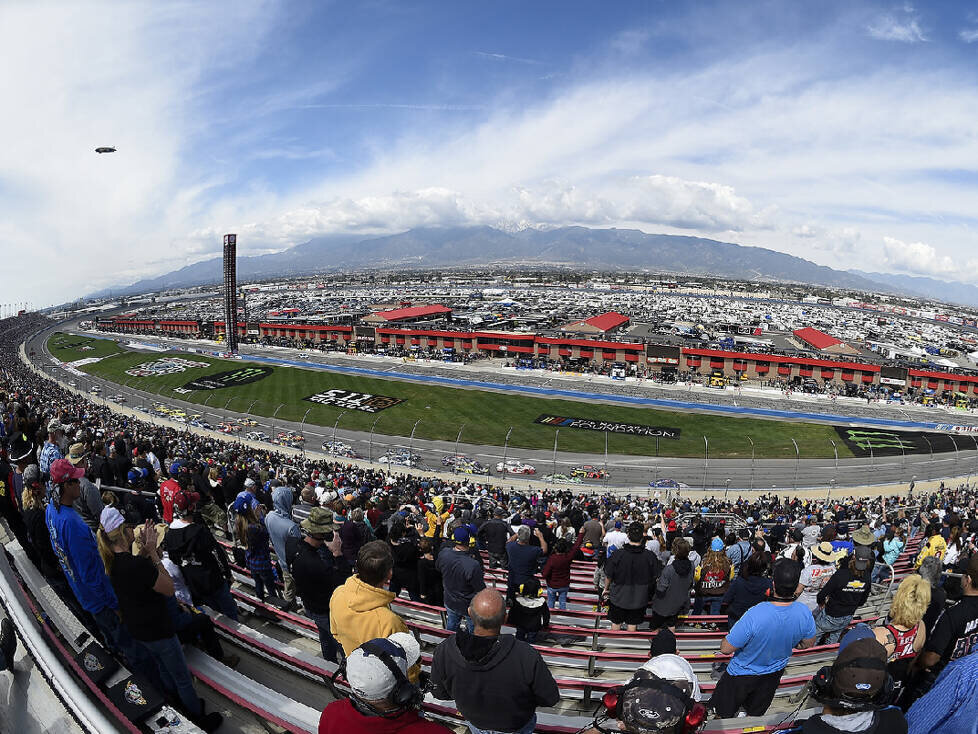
(354,400)
(587,424)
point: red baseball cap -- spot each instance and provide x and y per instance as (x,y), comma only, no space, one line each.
(184,500)
(62,470)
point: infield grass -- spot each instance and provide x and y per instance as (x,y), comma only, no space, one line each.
(70,347)
(486,415)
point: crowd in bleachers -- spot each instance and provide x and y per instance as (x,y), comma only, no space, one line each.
(145,532)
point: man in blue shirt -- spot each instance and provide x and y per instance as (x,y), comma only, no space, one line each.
(761,642)
(75,547)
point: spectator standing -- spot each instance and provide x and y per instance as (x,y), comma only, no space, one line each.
(254,537)
(315,578)
(672,589)
(202,562)
(712,579)
(89,504)
(630,578)
(354,533)
(845,592)
(749,588)
(615,538)
(462,579)
(430,584)
(761,643)
(142,584)
(556,571)
(738,548)
(493,536)
(904,634)
(496,681)
(930,571)
(893,545)
(523,558)
(404,550)
(817,574)
(51,450)
(281,526)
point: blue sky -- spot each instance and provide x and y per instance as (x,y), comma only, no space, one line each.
(841,132)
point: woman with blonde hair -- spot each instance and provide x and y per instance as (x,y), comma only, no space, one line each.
(904,635)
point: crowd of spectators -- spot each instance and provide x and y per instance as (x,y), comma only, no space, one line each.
(124,519)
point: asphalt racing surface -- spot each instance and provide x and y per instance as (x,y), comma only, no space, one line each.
(625,471)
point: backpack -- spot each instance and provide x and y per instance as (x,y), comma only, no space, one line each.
(202,569)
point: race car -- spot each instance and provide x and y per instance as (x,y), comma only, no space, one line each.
(338,448)
(667,484)
(400,457)
(454,459)
(515,466)
(257,436)
(248,422)
(228,427)
(587,471)
(470,466)
(291,436)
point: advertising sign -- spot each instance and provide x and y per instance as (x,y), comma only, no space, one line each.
(165,366)
(231,378)
(351,400)
(588,424)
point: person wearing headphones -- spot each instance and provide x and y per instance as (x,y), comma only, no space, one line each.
(382,699)
(855,691)
(663,697)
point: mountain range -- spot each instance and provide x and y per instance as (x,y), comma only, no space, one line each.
(607,249)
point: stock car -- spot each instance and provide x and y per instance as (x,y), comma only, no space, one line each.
(454,459)
(257,436)
(587,471)
(338,448)
(201,424)
(469,466)
(248,421)
(117,398)
(228,427)
(667,484)
(515,466)
(401,457)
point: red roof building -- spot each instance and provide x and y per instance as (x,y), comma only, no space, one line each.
(414,313)
(601,324)
(822,342)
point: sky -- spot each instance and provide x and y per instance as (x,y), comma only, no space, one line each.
(842,132)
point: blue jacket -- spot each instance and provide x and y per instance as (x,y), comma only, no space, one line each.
(950,707)
(280,524)
(462,577)
(75,547)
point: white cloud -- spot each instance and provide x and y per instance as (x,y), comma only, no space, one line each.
(919,258)
(890,28)
(968,35)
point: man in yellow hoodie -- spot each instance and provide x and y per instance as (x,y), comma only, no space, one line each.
(359,610)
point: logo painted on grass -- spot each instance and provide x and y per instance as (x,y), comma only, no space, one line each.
(231,378)
(354,400)
(165,366)
(867,441)
(588,424)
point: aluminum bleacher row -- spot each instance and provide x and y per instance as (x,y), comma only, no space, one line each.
(587,659)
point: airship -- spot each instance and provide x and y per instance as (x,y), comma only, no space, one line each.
(105,149)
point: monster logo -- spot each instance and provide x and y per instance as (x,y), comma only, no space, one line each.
(91,663)
(874,439)
(134,695)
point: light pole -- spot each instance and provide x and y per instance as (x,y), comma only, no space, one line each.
(411,442)
(751,462)
(706,462)
(228,402)
(332,448)
(302,424)
(931,447)
(505,447)
(457,439)
(276,410)
(903,459)
(370,443)
(556,436)
(252,405)
(606,456)
(828,494)
(209,396)
(957,455)
(797,462)
(726,488)
(835,450)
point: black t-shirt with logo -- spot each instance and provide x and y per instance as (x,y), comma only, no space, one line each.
(143,610)
(956,631)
